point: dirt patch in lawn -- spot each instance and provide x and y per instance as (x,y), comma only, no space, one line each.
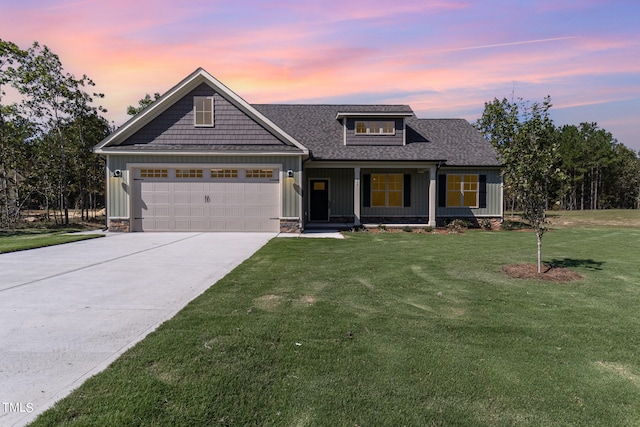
(549,273)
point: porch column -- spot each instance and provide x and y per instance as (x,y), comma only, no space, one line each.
(356,195)
(432,196)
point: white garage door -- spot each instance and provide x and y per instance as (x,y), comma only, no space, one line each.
(206,199)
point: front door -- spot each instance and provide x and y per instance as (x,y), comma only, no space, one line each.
(319,200)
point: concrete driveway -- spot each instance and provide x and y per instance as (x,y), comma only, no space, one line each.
(67,312)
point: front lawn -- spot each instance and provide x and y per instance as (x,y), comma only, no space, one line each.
(391,329)
(23,239)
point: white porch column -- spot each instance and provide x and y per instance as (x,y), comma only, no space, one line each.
(356,195)
(432,195)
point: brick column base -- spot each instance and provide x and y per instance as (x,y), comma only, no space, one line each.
(290,226)
(119,225)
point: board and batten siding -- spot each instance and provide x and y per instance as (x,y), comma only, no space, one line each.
(120,188)
(494,195)
(340,189)
(419,195)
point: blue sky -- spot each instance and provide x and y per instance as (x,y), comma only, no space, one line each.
(444,58)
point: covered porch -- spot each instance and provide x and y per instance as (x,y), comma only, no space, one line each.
(338,195)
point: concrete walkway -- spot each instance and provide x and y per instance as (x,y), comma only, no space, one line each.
(68,311)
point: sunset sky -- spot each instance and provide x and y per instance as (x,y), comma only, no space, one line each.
(444,58)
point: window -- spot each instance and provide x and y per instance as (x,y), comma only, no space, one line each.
(188,173)
(203,111)
(380,127)
(153,173)
(386,190)
(224,173)
(462,191)
(259,173)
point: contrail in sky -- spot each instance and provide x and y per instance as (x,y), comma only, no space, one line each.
(488,46)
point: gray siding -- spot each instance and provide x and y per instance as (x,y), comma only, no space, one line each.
(353,139)
(340,189)
(120,188)
(176,125)
(419,195)
(341,192)
(494,195)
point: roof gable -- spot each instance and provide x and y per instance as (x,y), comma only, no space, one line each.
(196,83)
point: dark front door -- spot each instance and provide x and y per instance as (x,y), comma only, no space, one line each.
(319,200)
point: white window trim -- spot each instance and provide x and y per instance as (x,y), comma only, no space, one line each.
(462,191)
(195,112)
(386,190)
(380,129)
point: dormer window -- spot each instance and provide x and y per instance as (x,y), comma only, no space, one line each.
(375,127)
(203,111)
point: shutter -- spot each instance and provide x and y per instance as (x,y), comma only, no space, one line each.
(407,190)
(442,191)
(482,195)
(366,190)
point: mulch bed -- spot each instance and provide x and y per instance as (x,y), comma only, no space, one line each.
(549,273)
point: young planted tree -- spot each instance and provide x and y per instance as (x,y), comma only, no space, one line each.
(526,139)
(532,163)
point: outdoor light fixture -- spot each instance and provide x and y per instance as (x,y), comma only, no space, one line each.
(289,173)
(117,173)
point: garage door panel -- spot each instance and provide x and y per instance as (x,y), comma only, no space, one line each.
(233,211)
(232,198)
(171,203)
(234,225)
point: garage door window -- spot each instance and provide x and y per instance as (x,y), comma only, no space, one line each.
(188,173)
(153,173)
(259,173)
(224,173)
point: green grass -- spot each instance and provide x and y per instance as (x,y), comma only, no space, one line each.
(20,240)
(391,329)
(599,218)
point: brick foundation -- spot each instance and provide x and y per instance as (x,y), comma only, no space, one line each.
(119,225)
(395,220)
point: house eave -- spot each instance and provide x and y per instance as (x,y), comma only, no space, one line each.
(199,153)
(342,115)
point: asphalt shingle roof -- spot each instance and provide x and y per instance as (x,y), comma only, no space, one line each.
(316,127)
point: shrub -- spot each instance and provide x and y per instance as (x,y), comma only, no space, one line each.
(428,229)
(407,229)
(485,224)
(382,228)
(457,226)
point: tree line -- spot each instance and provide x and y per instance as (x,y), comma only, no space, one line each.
(587,168)
(48,128)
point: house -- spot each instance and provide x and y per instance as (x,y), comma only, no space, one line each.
(203,159)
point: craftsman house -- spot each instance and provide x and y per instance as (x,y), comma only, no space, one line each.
(203,159)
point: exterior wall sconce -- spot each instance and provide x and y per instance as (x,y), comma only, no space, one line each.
(117,173)
(289,173)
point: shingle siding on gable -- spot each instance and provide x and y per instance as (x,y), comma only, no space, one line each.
(176,125)
(353,139)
